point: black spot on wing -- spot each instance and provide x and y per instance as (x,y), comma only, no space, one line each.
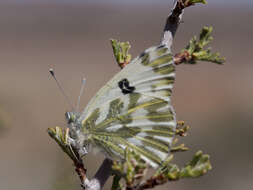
(125,87)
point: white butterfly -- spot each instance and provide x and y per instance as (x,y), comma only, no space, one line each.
(132,110)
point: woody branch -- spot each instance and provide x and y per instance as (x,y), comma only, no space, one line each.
(174,19)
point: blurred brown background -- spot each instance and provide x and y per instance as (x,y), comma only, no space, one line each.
(73,38)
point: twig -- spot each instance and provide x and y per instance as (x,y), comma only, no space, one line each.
(174,19)
(182,57)
(152,182)
(81,171)
(98,181)
(172,23)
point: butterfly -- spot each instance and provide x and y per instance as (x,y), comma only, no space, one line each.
(133,110)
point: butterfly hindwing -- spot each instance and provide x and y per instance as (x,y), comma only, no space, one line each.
(134,109)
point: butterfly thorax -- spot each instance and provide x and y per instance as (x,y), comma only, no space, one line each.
(73,125)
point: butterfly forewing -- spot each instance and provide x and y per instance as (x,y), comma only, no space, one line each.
(134,109)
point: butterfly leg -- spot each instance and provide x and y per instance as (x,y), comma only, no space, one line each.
(82,151)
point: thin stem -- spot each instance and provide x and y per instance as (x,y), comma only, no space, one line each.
(174,19)
(172,23)
(100,178)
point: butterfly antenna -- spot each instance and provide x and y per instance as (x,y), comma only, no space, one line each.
(80,95)
(60,87)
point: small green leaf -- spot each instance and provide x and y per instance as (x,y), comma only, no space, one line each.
(205,36)
(120,51)
(197,1)
(173,172)
(188,3)
(179,148)
(198,166)
(131,169)
(196,50)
